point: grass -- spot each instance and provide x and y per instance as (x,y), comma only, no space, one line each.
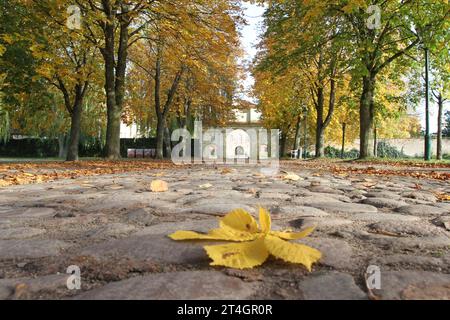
(401,161)
(37,160)
(404,160)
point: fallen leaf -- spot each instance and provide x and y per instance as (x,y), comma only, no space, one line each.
(291,176)
(159,186)
(386,233)
(28,174)
(21,291)
(255,244)
(116,187)
(259,175)
(442,196)
(226,170)
(86,185)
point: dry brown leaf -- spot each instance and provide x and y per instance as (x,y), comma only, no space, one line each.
(386,233)
(116,187)
(291,176)
(442,196)
(28,174)
(423,292)
(21,291)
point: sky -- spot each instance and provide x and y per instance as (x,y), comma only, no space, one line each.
(420,112)
(250,36)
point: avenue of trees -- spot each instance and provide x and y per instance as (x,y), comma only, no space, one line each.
(85,66)
(351,61)
(325,69)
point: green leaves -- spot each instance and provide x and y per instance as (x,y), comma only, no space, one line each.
(4,124)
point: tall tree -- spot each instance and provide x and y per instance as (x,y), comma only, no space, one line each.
(113,26)
(24,94)
(442,95)
(381,41)
(188,59)
(67,60)
(315,50)
(440,86)
(376,34)
(282,99)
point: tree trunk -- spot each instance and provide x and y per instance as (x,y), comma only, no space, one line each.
(366,115)
(75,110)
(62,145)
(375,142)
(162,111)
(160,138)
(159,112)
(344,126)
(115,70)
(297,134)
(319,123)
(323,123)
(439,131)
(305,134)
(283,140)
(167,142)
(75,128)
(320,141)
(112,147)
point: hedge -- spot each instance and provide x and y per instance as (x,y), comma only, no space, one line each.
(49,148)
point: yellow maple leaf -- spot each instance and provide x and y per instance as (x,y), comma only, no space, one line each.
(255,243)
(264,221)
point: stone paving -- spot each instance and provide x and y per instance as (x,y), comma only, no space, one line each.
(115,229)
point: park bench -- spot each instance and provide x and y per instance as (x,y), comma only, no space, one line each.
(141,153)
